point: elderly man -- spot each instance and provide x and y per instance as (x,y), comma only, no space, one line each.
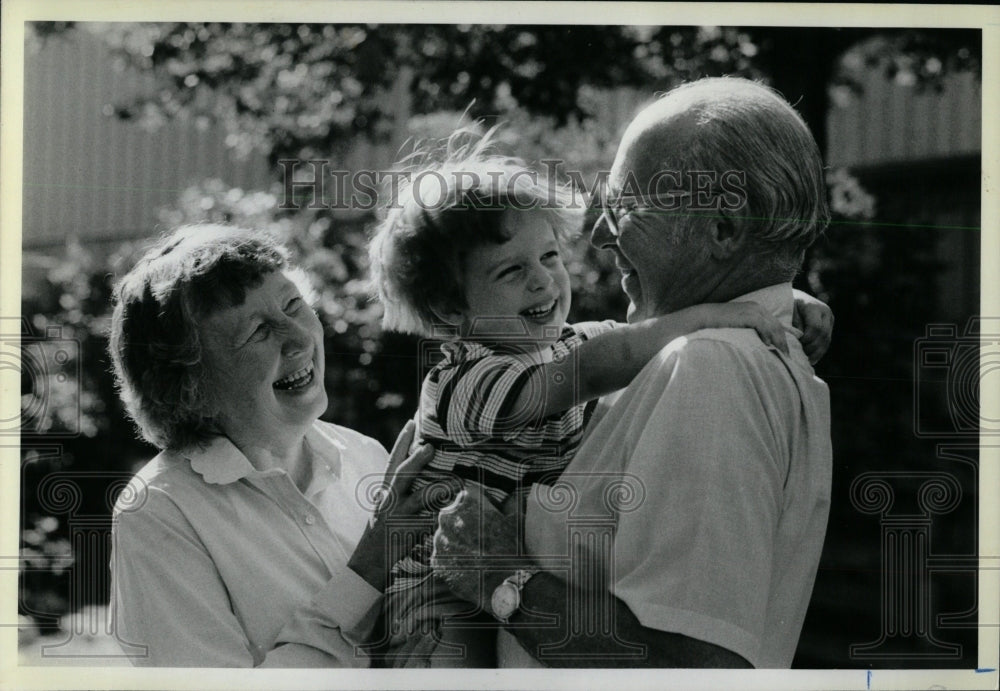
(688,529)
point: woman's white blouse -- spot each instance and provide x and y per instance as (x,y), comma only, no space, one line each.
(216,564)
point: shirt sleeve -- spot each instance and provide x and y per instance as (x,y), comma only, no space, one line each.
(695,556)
(591,329)
(479,400)
(170,607)
(330,630)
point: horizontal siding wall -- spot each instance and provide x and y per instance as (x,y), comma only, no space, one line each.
(93,176)
(891,122)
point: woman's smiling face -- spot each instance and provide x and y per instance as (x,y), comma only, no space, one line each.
(264,363)
(522,281)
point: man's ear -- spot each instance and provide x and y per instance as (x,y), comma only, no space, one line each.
(727,236)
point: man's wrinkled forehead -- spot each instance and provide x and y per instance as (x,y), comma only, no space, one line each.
(655,141)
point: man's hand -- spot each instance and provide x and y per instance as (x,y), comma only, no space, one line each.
(476,547)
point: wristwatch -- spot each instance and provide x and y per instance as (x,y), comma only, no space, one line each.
(507,597)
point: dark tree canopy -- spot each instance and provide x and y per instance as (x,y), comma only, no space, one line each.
(289,89)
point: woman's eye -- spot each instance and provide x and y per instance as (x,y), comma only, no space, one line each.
(550,256)
(293,305)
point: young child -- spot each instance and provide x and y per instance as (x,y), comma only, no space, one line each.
(473,248)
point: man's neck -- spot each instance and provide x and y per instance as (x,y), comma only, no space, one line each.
(740,280)
(739,291)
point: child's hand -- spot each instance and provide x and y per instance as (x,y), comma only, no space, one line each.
(737,315)
(815,319)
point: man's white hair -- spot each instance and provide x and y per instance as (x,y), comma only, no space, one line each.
(744,126)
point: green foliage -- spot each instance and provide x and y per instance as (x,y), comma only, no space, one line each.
(676,54)
(301,89)
(298,90)
(46,559)
(912,57)
(66,312)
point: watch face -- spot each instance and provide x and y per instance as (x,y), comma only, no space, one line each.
(506,599)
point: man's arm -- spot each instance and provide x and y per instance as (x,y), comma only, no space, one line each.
(546,593)
(473,531)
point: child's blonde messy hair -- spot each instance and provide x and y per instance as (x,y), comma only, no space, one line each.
(444,209)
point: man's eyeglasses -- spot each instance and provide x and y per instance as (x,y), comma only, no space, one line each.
(612,214)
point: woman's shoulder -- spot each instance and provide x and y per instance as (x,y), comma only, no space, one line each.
(156,485)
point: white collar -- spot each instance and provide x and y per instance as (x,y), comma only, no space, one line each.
(219,462)
(777,299)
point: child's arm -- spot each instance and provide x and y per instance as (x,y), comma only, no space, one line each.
(815,319)
(608,362)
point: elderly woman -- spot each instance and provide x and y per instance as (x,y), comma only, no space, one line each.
(233,546)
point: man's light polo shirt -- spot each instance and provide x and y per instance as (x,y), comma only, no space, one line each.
(723,448)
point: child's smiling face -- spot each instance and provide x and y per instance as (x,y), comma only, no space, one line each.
(523,277)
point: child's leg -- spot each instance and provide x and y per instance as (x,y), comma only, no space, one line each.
(453,643)
(444,631)
(478,644)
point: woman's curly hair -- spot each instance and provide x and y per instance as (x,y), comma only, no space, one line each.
(154,345)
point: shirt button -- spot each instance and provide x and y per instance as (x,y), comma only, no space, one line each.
(310,519)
